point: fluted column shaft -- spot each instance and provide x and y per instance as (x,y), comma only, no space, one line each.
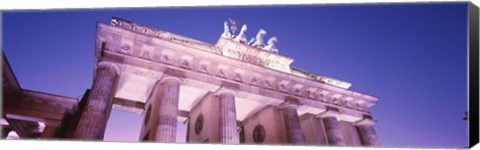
(292,124)
(168,110)
(367,133)
(333,131)
(94,118)
(332,126)
(228,118)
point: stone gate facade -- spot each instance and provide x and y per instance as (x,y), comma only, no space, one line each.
(232,92)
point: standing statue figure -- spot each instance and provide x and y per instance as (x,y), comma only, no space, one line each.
(258,40)
(226,32)
(271,45)
(242,37)
(234,25)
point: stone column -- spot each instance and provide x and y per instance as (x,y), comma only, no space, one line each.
(228,117)
(99,103)
(291,120)
(332,128)
(367,133)
(168,110)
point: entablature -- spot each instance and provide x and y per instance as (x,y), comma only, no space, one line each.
(254,78)
(37,106)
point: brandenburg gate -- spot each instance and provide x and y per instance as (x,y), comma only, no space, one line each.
(236,91)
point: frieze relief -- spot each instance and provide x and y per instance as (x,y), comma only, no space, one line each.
(297,92)
(328,99)
(283,88)
(167,58)
(185,64)
(220,73)
(146,52)
(268,85)
(237,77)
(164,59)
(321,98)
(358,107)
(126,46)
(342,102)
(203,68)
(254,81)
(348,105)
(310,94)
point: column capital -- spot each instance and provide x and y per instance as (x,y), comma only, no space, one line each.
(224,90)
(169,77)
(329,113)
(110,64)
(172,74)
(365,122)
(290,102)
(288,105)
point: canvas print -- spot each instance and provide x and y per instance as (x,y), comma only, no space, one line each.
(356,75)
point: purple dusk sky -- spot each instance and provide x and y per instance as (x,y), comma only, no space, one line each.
(413,57)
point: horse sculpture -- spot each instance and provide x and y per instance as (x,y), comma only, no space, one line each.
(271,45)
(226,32)
(258,40)
(242,37)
